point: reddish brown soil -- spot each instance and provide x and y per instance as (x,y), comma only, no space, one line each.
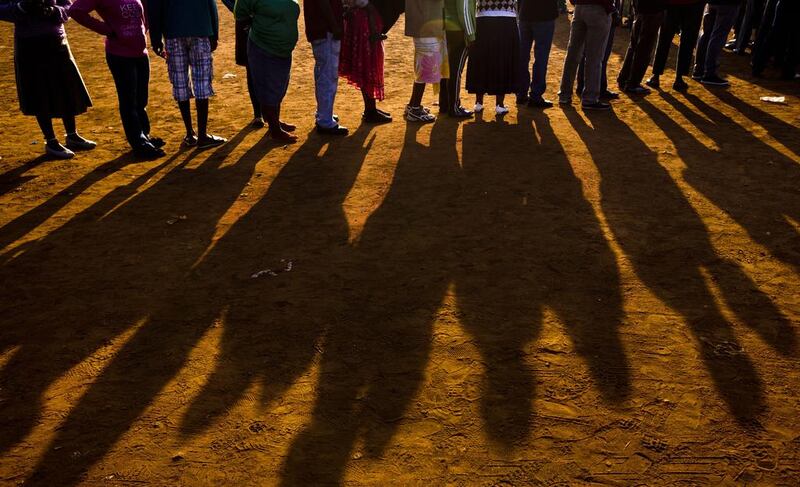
(555,298)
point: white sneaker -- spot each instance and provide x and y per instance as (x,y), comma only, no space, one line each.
(418,114)
(501,110)
(478,108)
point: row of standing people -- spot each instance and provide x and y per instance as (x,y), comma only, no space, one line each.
(346,37)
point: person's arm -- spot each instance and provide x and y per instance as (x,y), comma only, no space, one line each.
(334,25)
(81,11)
(212,9)
(155,14)
(466,17)
(12,11)
(58,13)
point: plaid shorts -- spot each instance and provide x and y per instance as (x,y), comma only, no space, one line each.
(184,53)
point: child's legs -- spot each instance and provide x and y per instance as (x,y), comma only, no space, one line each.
(201,62)
(46,125)
(326,78)
(178,68)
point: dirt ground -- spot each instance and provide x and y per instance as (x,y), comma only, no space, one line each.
(557,298)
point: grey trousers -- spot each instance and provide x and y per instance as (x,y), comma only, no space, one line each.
(588,35)
(717,24)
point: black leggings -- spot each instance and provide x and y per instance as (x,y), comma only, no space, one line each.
(252,92)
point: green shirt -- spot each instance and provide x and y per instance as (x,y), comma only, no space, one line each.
(274,26)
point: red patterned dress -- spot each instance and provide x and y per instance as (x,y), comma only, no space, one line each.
(361,58)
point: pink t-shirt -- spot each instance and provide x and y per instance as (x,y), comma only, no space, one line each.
(123,23)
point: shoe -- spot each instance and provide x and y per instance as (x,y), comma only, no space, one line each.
(190,141)
(337,130)
(539,102)
(653,82)
(76,142)
(714,80)
(730,45)
(54,148)
(257,123)
(680,85)
(382,112)
(147,151)
(598,105)
(210,141)
(376,117)
(500,110)
(478,108)
(157,142)
(564,101)
(637,90)
(522,100)
(697,76)
(288,127)
(419,114)
(282,136)
(461,112)
(609,95)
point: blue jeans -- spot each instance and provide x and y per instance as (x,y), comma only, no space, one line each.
(326,78)
(538,35)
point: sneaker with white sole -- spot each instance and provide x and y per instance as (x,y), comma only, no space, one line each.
(418,114)
(500,110)
(478,108)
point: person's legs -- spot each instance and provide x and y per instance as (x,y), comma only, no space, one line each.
(599,23)
(630,52)
(326,79)
(725,18)
(143,93)
(457,59)
(252,92)
(606,56)
(575,50)
(667,32)
(201,62)
(124,72)
(648,32)
(543,38)
(702,43)
(46,126)
(178,68)
(690,20)
(525,45)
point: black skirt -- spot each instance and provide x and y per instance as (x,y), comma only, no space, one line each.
(48,81)
(494,57)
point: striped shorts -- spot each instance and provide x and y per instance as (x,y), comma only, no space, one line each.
(190,54)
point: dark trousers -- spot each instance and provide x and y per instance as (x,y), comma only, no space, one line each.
(778,37)
(753,11)
(640,50)
(539,37)
(603,74)
(685,19)
(450,88)
(717,23)
(132,79)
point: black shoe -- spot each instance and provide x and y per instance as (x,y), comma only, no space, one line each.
(540,103)
(653,82)
(337,130)
(637,90)
(53,148)
(257,123)
(697,75)
(210,141)
(461,112)
(147,151)
(609,95)
(714,80)
(76,142)
(680,85)
(376,117)
(157,142)
(598,105)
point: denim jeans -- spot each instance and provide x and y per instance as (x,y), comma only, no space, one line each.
(588,35)
(326,78)
(604,71)
(538,35)
(717,23)
(132,79)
